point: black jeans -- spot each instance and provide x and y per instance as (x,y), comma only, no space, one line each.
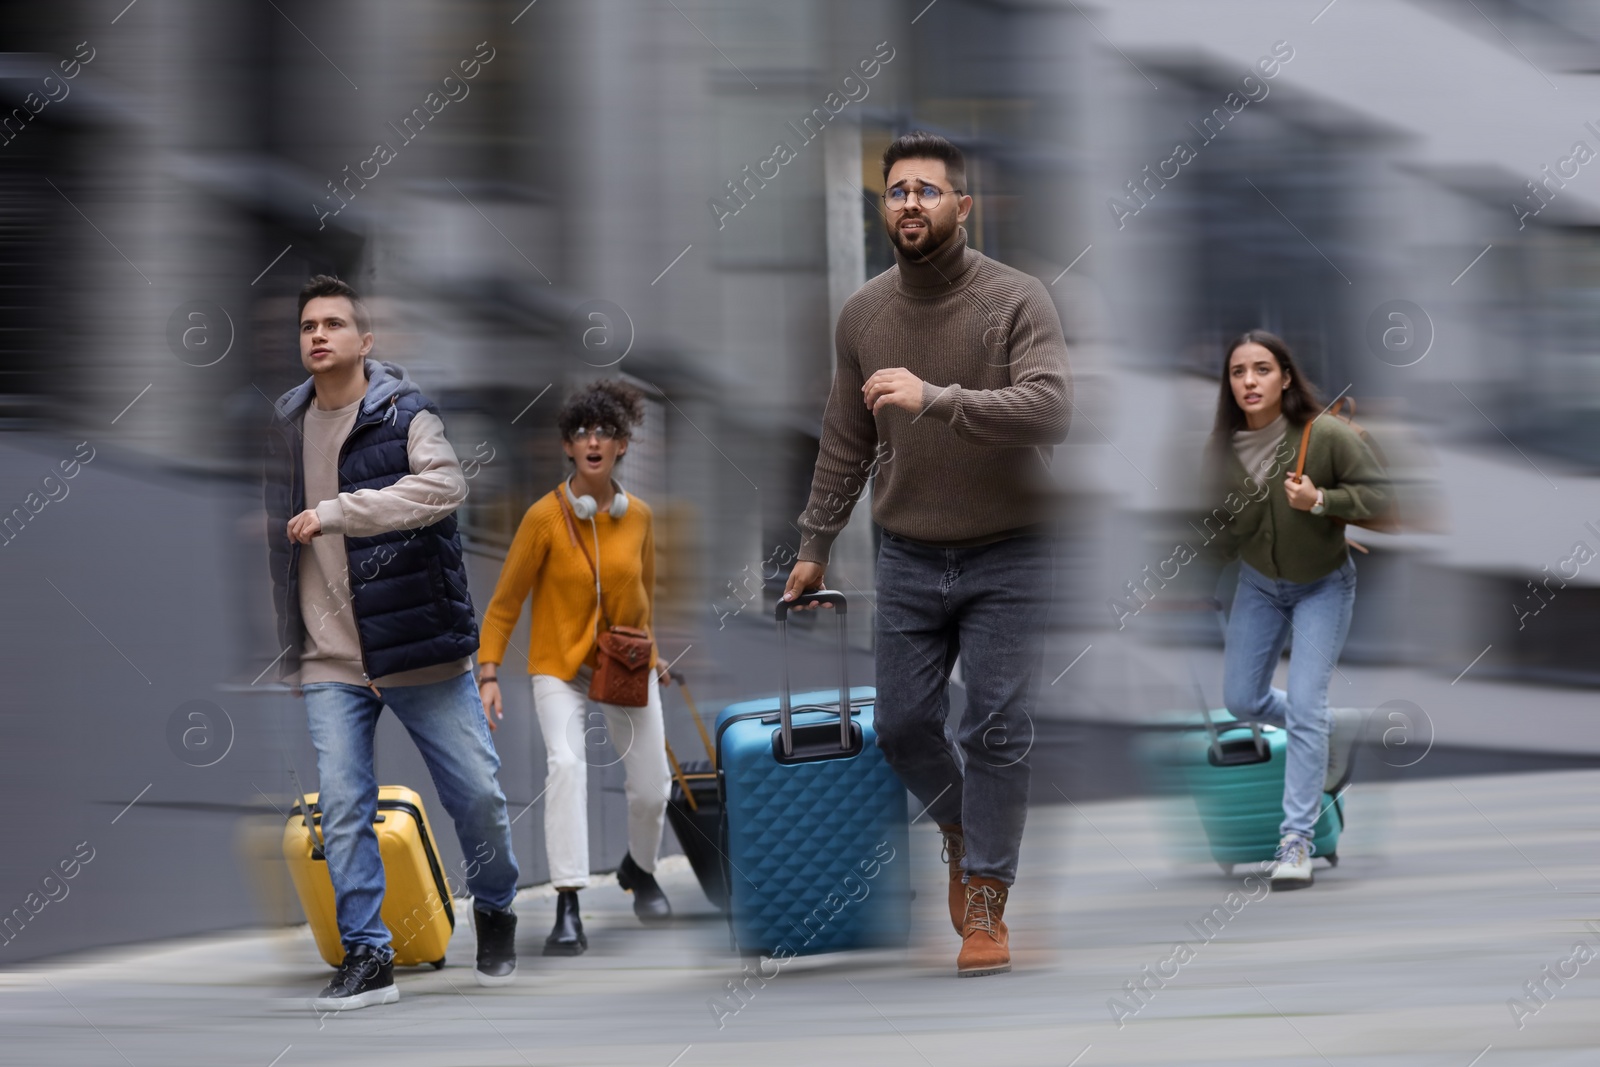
(989,605)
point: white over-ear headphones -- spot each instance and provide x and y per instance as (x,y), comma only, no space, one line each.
(585,507)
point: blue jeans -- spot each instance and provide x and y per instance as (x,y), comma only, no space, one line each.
(989,605)
(446,721)
(1265,612)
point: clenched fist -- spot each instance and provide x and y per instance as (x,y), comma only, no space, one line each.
(1302,494)
(895,386)
(304,526)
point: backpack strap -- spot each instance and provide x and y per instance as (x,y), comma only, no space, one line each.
(1337,410)
(1305,442)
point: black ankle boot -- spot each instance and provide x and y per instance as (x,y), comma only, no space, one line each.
(567,938)
(649,902)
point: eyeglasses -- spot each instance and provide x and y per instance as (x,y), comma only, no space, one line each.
(604,433)
(927,195)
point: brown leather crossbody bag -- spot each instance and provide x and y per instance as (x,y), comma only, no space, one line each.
(622,668)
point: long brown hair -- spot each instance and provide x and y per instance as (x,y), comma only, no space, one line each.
(1300,403)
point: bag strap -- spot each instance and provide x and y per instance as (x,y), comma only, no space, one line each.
(572,531)
(1305,442)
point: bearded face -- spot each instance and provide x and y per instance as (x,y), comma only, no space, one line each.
(922,206)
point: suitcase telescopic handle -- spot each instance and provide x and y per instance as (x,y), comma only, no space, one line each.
(683,782)
(785,715)
(1259,742)
(305,815)
(699,722)
(1218,758)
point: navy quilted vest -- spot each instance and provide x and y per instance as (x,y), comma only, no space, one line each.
(408,587)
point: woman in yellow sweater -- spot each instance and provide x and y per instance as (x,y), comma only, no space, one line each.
(588,517)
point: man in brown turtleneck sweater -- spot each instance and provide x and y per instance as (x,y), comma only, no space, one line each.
(951,384)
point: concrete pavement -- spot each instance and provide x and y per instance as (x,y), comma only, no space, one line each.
(1451,894)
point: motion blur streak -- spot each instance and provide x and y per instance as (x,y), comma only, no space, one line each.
(1402,189)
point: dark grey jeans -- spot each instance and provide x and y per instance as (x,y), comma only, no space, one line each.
(989,605)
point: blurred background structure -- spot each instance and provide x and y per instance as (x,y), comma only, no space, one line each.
(536,194)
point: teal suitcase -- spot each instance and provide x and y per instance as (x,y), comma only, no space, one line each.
(1234,772)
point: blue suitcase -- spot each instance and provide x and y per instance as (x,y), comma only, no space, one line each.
(814,820)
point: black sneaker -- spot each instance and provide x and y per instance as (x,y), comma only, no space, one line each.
(365,978)
(497,946)
(649,902)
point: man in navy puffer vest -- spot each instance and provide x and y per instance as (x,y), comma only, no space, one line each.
(373,611)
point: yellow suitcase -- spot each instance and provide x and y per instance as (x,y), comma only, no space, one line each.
(416,902)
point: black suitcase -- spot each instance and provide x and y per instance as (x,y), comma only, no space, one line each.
(695,811)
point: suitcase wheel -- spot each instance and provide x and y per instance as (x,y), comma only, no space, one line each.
(437,964)
(1332,858)
(1227,868)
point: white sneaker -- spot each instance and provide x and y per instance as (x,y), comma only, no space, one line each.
(1291,868)
(1344,730)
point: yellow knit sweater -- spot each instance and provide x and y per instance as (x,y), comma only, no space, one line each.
(545,562)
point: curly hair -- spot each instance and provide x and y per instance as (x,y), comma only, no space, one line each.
(610,402)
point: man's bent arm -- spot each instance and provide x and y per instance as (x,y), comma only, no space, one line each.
(1036,408)
(849,435)
(434,488)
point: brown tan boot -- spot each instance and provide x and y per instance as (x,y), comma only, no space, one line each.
(985,941)
(955,854)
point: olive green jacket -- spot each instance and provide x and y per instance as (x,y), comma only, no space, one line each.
(1251,517)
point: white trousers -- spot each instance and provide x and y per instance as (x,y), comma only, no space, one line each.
(573,736)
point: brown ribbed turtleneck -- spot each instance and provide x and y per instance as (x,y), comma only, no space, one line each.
(927,278)
(986,342)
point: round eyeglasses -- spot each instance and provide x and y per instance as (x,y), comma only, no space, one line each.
(927,195)
(604,433)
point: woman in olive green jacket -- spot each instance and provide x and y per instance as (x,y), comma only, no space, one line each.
(1296,576)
